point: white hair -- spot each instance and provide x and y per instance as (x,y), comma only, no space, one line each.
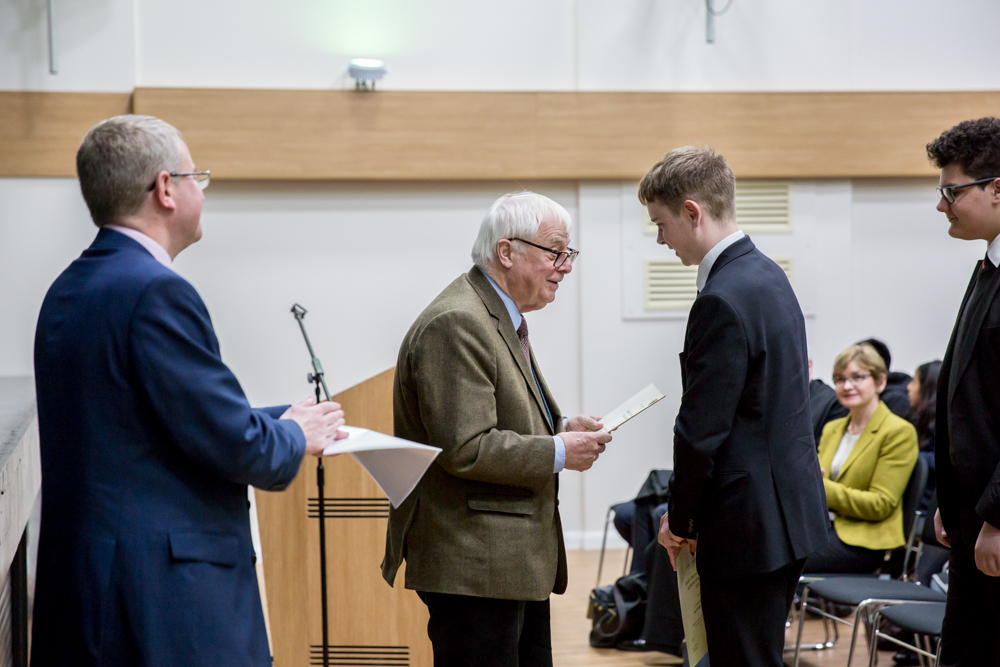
(515,215)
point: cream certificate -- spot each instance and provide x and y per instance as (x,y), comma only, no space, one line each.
(631,408)
(689,587)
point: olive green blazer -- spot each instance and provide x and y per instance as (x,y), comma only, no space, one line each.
(867,496)
(484,519)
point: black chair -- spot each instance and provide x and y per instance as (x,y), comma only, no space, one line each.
(868,594)
(923,621)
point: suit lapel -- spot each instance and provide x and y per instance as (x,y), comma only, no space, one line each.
(965,347)
(505,328)
(867,438)
(949,355)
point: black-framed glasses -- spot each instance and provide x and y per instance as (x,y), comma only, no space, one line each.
(948,191)
(856,379)
(201,178)
(560,255)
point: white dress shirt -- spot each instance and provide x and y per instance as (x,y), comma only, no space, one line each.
(993,251)
(158,252)
(515,318)
(706,265)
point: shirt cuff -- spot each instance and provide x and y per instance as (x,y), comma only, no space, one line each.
(560,454)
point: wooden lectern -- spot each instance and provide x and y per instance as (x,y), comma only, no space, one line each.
(370,623)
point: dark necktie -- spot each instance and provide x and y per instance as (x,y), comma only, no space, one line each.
(522,335)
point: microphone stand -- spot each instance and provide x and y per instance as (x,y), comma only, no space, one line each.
(316,378)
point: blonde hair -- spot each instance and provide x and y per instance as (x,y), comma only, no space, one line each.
(686,173)
(865,356)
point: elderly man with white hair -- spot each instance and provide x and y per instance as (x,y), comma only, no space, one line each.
(481,533)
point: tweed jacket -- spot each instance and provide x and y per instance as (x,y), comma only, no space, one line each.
(484,520)
(867,496)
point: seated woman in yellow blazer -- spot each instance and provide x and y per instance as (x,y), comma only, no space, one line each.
(866,458)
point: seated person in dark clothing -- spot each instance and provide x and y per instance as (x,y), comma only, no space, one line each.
(923,409)
(824,404)
(866,458)
(895,395)
(638,520)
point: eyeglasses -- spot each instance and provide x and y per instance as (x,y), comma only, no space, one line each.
(560,255)
(201,178)
(855,379)
(948,191)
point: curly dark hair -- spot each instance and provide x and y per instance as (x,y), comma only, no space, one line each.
(974,145)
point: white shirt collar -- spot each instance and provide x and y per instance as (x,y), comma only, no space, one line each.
(158,252)
(993,252)
(515,314)
(706,265)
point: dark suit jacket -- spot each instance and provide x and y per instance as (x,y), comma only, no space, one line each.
(967,449)
(484,520)
(746,480)
(148,445)
(824,406)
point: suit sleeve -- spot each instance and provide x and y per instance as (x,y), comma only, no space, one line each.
(715,370)
(945,475)
(988,507)
(198,401)
(897,456)
(454,367)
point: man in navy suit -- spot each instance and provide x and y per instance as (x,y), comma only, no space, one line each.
(747,489)
(148,442)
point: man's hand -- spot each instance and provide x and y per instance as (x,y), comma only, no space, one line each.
(988,550)
(319,423)
(584,423)
(582,449)
(672,543)
(939,533)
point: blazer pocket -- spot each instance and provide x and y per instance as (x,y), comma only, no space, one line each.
(215,548)
(502,503)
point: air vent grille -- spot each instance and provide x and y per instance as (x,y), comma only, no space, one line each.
(669,285)
(764,207)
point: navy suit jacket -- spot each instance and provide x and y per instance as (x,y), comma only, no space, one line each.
(746,478)
(148,444)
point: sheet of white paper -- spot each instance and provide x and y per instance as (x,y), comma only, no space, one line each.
(689,589)
(631,408)
(395,464)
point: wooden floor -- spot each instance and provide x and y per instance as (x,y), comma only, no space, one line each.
(570,626)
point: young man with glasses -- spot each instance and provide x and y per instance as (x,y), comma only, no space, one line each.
(968,414)
(481,533)
(147,440)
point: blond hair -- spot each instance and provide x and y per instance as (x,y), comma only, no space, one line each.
(698,174)
(865,356)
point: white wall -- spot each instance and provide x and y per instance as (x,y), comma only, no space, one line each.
(510,45)
(871,258)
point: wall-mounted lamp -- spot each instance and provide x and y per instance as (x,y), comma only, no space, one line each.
(711,13)
(365,72)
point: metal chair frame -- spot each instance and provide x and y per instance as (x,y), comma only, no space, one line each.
(921,644)
(604,543)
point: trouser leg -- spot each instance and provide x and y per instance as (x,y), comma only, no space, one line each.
(470,631)
(745,617)
(971,631)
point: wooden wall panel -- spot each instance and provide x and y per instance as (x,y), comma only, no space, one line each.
(245,134)
(40,132)
(386,135)
(370,623)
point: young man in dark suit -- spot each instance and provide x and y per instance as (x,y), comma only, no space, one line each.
(747,493)
(968,414)
(147,441)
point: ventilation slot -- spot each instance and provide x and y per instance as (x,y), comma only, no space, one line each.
(764,207)
(788,267)
(669,285)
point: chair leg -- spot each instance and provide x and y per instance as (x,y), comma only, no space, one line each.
(873,649)
(802,620)
(628,551)
(604,542)
(854,634)
(937,654)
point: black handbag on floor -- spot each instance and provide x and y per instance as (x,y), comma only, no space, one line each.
(617,611)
